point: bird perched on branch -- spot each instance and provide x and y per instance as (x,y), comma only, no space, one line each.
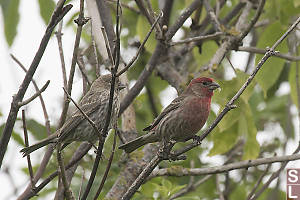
(95,105)
(182,119)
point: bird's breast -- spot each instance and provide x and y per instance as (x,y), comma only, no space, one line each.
(196,112)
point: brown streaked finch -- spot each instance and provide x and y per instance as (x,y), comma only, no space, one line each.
(182,119)
(94,104)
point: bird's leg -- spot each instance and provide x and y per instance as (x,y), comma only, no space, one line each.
(165,149)
(94,146)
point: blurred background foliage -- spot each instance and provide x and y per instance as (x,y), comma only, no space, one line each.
(268,105)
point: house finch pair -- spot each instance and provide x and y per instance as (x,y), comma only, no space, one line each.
(95,105)
(179,121)
(182,119)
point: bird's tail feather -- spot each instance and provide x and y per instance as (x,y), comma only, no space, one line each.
(138,142)
(27,150)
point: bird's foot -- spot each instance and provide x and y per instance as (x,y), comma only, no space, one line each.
(164,151)
(94,146)
(197,139)
(174,157)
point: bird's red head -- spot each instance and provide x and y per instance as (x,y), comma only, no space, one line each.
(203,86)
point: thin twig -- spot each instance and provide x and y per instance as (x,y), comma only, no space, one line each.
(230,105)
(68,191)
(59,12)
(212,15)
(82,69)
(80,21)
(254,19)
(213,36)
(81,183)
(182,18)
(38,93)
(26,145)
(97,66)
(46,158)
(219,191)
(223,168)
(151,100)
(259,181)
(148,13)
(160,49)
(78,155)
(232,41)
(107,168)
(107,46)
(230,63)
(85,81)
(274,175)
(140,179)
(140,47)
(191,188)
(109,109)
(84,114)
(125,6)
(58,35)
(263,51)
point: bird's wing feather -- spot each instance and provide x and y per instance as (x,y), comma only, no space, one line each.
(89,104)
(172,106)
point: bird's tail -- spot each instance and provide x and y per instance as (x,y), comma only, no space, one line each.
(27,150)
(138,142)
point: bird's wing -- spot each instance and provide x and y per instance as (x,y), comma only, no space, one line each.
(88,104)
(172,106)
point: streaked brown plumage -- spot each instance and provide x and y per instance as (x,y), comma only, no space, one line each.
(182,119)
(76,127)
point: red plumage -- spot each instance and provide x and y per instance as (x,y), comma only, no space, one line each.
(182,119)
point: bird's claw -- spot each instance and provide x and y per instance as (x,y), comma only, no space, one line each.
(173,157)
(164,151)
(197,139)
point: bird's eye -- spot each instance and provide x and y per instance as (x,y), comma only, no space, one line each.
(205,83)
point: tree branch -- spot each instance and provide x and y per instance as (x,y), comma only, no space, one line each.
(230,105)
(262,51)
(38,93)
(109,109)
(153,61)
(59,12)
(179,172)
(26,145)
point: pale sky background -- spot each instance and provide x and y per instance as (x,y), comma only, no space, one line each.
(30,31)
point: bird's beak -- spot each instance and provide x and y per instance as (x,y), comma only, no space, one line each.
(121,86)
(213,86)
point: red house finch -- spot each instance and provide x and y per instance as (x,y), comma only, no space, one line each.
(182,119)
(94,104)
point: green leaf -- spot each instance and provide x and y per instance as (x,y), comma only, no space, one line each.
(241,79)
(271,70)
(18,138)
(231,117)
(224,141)
(46,9)
(209,48)
(251,148)
(296,3)
(15,136)
(142,29)
(10,11)
(38,130)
